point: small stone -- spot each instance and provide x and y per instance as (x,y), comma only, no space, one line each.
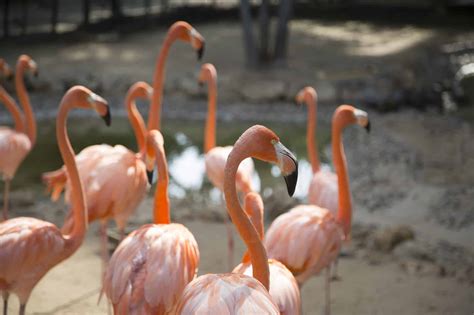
(258,91)
(389,238)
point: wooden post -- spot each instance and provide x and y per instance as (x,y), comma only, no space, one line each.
(86,7)
(54,15)
(281,40)
(249,41)
(6,18)
(264,21)
(24,16)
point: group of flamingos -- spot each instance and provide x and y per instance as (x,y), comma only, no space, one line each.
(153,270)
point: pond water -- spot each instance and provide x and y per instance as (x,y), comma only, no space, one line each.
(183,144)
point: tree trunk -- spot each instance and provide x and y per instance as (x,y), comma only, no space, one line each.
(249,41)
(281,41)
(86,8)
(264,20)
(116,9)
(54,16)
(6,17)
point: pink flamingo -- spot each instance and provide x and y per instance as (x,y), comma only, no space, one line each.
(323,187)
(178,31)
(16,144)
(283,286)
(29,247)
(235,293)
(150,268)
(308,238)
(114,178)
(216,157)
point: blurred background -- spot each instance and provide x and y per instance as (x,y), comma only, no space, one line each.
(409,64)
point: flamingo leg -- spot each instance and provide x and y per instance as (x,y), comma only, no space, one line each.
(6,199)
(230,242)
(327,306)
(335,275)
(104,247)
(5,295)
(22,309)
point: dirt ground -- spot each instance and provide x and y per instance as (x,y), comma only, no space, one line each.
(411,178)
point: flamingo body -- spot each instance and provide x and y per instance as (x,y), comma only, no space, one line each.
(283,286)
(150,268)
(228,293)
(306,239)
(114,180)
(14,146)
(29,248)
(215,161)
(323,191)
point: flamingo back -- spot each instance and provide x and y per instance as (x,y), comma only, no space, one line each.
(306,239)
(150,269)
(323,191)
(14,146)
(284,289)
(224,294)
(215,161)
(30,247)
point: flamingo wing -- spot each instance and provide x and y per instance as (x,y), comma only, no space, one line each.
(284,289)
(30,247)
(14,146)
(114,185)
(151,268)
(323,191)
(224,294)
(305,239)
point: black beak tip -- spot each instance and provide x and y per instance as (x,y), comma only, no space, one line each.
(200,52)
(367,127)
(10,76)
(290,181)
(149,175)
(107,118)
(36,73)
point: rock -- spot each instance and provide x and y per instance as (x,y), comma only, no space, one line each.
(414,250)
(259,91)
(278,203)
(389,238)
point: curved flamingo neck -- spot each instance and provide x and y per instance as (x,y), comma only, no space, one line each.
(154,118)
(79,208)
(12,107)
(311,141)
(254,209)
(344,213)
(25,102)
(247,231)
(137,122)
(161,206)
(210,133)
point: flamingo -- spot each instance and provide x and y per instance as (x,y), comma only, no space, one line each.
(29,247)
(308,238)
(16,144)
(323,187)
(115,178)
(178,31)
(283,286)
(235,293)
(216,157)
(150,268)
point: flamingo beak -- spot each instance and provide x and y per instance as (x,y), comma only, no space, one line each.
(106,117)
(149,175)
(200,52)
(289,167)
(367,127)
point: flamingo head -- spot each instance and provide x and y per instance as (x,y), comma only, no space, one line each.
(306,95)
(5,69)
(140,90)
(266,146)
(154,143)
(189,34)
(27,63)
(208,73)
(349,115)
